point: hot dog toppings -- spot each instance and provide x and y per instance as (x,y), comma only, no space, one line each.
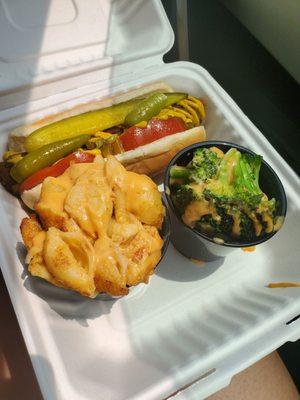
(156,129)
(109,131)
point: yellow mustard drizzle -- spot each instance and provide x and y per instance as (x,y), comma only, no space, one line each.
(110,145)
(173,111)
(190,110)
(102,135)
(187,106)
(142,124)
(12,156)
(94,152)
(197,104)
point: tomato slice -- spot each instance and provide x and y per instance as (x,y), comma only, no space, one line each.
(55,170)
(156,129)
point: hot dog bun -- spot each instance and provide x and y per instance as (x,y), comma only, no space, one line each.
(152,158)
(17,136)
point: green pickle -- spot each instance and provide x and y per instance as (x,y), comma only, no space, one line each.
(151,106)
(146,109)
(174,97)
(45,156)
(131,112)
(87,123)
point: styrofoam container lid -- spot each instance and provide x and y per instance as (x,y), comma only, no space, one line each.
(47,40)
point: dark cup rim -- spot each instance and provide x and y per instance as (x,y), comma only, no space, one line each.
(165,232)
(211,143)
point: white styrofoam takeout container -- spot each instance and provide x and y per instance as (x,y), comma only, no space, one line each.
(193,327)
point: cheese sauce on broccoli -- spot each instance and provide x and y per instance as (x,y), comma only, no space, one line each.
(219,194)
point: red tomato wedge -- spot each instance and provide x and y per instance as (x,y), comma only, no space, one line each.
(156,129)
(55,170)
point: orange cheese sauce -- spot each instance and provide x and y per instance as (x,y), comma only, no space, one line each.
(196,210)
(283,285)
(199,263)
(249,249)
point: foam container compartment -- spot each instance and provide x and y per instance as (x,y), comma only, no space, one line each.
(188,332)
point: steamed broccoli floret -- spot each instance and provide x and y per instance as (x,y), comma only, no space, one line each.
(204,165)
(181,173)
(271,205)
(212,226)
(226,221)
(237,181)
(221,190)
(246,177)
(183,195)
(267,206)
(208,225)
(246,228)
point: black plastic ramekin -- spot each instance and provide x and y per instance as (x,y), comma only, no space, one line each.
(165,232)
(194,244)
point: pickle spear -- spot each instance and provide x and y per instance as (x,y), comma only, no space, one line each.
(151,106)
(174,97)
(87,123)
(45,156)
(146,109)
(94,121)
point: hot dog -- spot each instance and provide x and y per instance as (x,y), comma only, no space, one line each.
(144,128)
